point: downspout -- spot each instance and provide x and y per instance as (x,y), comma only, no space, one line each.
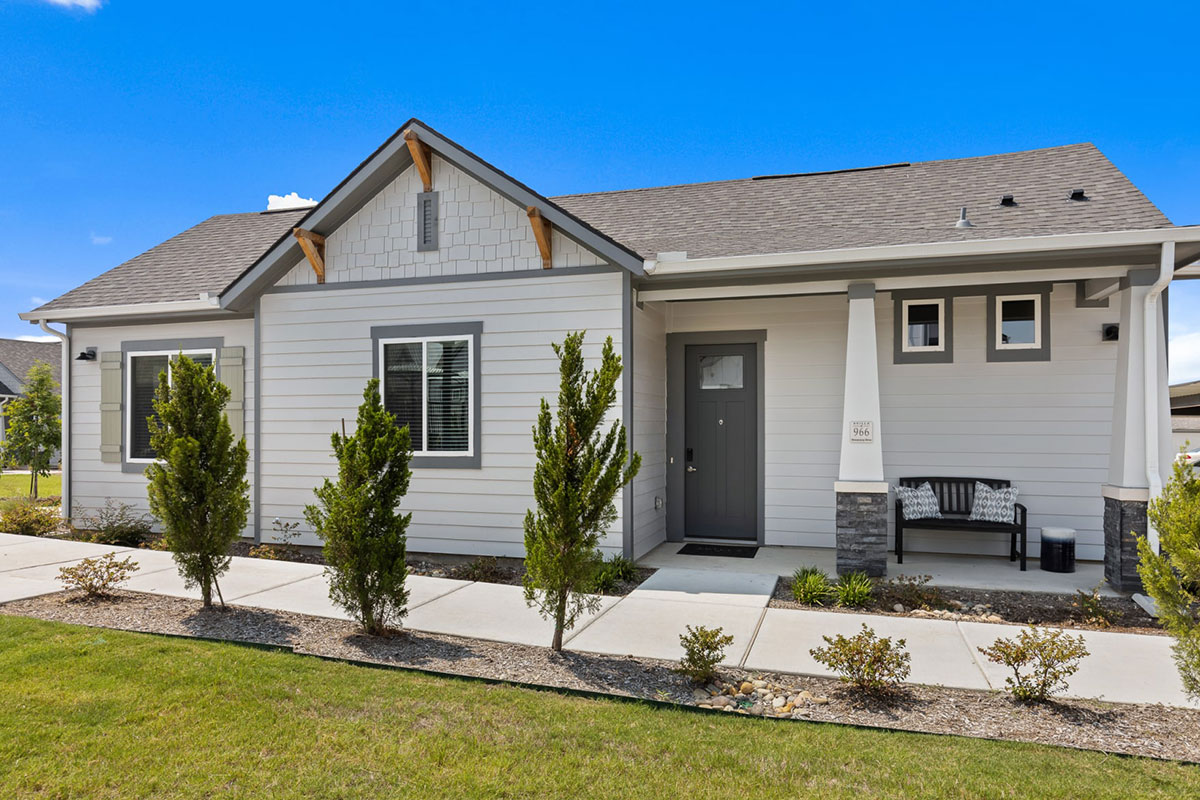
(64,457)
(1166,270)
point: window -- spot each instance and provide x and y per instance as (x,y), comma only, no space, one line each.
(720,372)
(426,384)
(923,324)
(142,371)
(1018,322)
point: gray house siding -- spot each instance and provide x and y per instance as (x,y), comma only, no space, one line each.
(649,430)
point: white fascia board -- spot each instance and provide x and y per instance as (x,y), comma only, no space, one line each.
(909,252)
(129,310)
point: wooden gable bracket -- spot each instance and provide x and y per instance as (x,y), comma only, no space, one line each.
(541,232)
(313,245)
(420,156)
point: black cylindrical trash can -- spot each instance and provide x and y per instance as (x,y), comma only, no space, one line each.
(1058,549)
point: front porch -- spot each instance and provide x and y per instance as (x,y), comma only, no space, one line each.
(994,573)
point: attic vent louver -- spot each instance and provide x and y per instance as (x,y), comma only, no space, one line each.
(427,222)
(1077,194)
(1008,200)
(963,222)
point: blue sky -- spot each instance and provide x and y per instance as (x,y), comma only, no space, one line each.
(126,122)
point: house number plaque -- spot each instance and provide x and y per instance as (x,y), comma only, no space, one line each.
(862,431)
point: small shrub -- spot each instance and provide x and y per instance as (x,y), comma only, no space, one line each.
(485,569)
(1090,608)
(98,577)
(264,550)
(1041,661)
(810,586)
(28,518)
(613,573)
(869,663)
(281,545)
(912,591)
(703,649)
(854,590)
(116,524)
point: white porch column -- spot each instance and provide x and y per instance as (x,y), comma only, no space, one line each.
(1127,491)
(860,490)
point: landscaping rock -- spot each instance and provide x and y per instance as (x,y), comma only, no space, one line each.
(898,608)
(778,702)
(747,687)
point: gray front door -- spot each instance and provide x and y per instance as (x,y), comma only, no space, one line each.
(721,442)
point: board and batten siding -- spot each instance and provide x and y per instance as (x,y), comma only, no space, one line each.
(479,230)
(1044,425)
(316,360)
(649,431)
(93,482)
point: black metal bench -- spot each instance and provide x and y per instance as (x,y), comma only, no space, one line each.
(955,497)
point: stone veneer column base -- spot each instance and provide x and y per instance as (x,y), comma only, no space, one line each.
(862,532)
(1124,521)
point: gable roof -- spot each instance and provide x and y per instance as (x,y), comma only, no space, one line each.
(17,356)
(204,258)
(897,204)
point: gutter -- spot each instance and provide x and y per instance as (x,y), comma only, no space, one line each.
(203,303)
(1166,269)
(64,417)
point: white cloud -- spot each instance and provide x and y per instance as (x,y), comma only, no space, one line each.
(276,202)
(38,339)
(90,6)
(101,239)
(37,301)
(1184,355)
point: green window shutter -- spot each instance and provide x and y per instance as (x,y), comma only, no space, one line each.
(110,407)
(233,375)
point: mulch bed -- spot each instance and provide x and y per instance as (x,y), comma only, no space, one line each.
(1145,730)
(985,605)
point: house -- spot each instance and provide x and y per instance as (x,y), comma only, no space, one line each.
(1185,416)
(793,344)
(16,357)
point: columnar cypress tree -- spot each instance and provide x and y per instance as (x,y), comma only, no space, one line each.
(579,471)
(365,539)
(34,425)
(198,487)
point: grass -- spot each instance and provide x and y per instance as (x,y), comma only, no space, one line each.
(17,485)
(105,714)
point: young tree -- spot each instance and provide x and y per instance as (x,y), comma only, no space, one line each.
(579,471)
(34,432)
(198,487)
(364,537)
(1172,576)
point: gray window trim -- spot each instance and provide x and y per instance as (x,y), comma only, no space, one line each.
(943,356)
(475,331)
(151,345)
(423,244)
(1041,353)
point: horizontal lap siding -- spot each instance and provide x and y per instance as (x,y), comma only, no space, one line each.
(649,426)
(316,349)
(1044,425)
(805,355)
(92,482)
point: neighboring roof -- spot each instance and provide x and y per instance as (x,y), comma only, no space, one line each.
(898,204)
(17,356)
(1185,389)
(204,258)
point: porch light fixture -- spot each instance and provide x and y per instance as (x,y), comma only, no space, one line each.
(88,354)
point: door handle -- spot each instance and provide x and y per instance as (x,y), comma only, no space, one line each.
(691,468)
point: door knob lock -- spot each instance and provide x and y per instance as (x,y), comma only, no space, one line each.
(691,468)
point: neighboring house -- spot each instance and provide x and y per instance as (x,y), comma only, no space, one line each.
(16,357)
(1185,416)
(792,344)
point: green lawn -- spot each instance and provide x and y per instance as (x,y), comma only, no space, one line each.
(14,485)
(104,714)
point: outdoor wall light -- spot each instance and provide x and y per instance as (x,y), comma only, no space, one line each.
(87,354)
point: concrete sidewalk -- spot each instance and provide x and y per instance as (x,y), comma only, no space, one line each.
(1122,667)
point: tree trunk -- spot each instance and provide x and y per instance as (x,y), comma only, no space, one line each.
(33,484)
(560,616)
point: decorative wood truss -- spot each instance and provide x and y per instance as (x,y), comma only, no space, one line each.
(420,156)
(313,245)
(541,232)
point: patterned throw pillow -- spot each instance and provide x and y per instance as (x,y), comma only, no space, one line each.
(993,505)
(919,503)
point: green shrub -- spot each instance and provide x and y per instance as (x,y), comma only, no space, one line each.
(116,524)
(703,649)
(485,569)
(912,591)
(854,590)
(811,586)
(1091,610)
(28,518)
(97,577)
(1041,661)
(282,545)
(865,661)
(613,573)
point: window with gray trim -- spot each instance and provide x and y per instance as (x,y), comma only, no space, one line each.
(142,371)
(923,330)
(1018,324)
(426,383)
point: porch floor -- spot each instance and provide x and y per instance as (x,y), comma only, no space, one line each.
(967,572)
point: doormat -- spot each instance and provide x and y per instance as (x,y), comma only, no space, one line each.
(727,550)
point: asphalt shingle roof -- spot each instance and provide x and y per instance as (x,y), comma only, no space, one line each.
(18,356)
(909,204)
(204,258)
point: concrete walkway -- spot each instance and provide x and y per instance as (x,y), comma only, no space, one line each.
(1122,667)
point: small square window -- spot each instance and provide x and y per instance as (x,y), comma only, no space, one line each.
(923,324)
(720,372)
(1019,322)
